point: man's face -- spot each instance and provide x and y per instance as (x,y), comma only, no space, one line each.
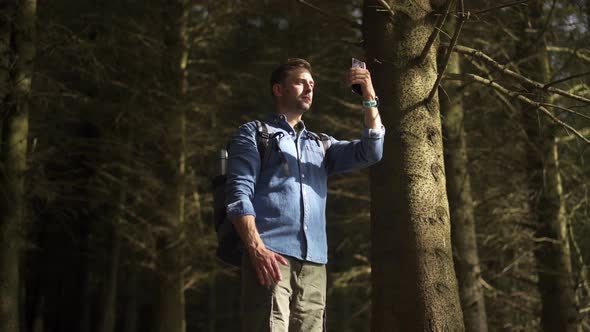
(296,93)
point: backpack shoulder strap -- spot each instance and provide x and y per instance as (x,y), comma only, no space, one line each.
(326,141)
(262,138)
(322,138)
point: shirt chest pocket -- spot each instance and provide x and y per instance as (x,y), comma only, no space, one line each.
(313,153)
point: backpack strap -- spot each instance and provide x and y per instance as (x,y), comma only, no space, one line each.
(262,138)
(326,141)
(321,138)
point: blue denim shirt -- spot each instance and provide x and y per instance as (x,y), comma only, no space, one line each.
(288,196)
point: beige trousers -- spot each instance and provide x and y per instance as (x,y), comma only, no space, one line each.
(295,304)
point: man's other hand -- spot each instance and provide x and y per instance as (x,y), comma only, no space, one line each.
(266,265)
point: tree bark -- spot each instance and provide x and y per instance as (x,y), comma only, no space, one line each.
(212,303)
(38,319)
(109,309)
(463,233)
(5,53)
(86,296)
(552,253)
(132,305)
(413,280)
(171,305)
(13,148)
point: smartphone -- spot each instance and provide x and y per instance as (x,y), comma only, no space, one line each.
(356,88)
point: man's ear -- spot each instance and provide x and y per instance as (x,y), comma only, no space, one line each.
(277,90)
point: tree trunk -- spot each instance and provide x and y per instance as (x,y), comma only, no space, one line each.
(212,304)
(38,319)
(413,280)
(131,307)
(171,305)
(13,148)
(552,253)
(463,232)
(109,309)
(86,296)
(5,54)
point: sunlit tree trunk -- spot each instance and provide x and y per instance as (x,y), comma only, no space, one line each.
(13,152)
(552,253)
(463,232)
(171,298)
(414,287)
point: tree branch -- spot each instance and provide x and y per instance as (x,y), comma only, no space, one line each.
(580,89)
(439,77)
(437,28)
(566,79)
(387,7)
(512,109)
(563,139)
(565,109)
(515,95)
(509,4)
(583,269)
(518,77)
(328,14)
(578,53)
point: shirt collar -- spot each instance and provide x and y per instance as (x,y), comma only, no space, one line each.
(280,120)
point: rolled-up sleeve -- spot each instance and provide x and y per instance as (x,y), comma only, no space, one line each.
(243,169)
(344,156)
(375,133)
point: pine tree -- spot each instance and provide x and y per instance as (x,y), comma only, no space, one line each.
(413,280)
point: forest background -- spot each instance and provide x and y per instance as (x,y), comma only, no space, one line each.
(113,114)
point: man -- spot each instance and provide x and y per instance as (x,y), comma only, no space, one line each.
(277,205)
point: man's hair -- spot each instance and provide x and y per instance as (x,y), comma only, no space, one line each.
(280,73)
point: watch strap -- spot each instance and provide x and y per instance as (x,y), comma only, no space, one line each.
(371,103)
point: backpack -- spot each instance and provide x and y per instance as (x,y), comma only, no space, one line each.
(230,248)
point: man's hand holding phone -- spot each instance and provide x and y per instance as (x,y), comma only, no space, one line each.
(359,78)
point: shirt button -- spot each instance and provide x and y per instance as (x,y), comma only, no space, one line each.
(305,227)
(303,176)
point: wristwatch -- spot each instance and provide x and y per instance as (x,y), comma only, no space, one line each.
(371,103)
